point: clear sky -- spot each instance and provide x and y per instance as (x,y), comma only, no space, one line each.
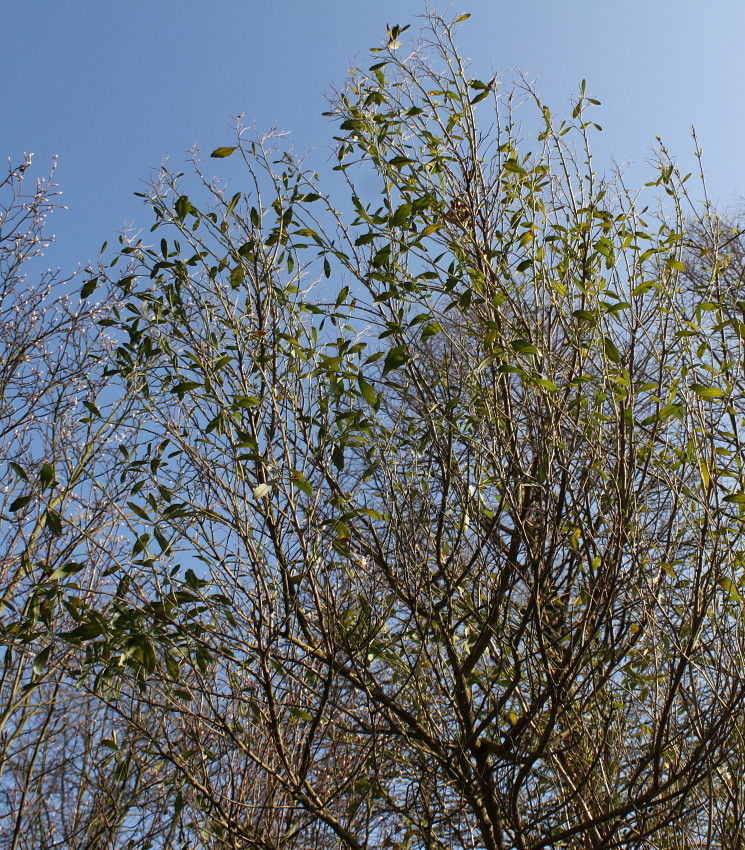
(112,88)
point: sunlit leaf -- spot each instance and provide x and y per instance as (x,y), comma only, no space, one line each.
(261,490)
(706,392)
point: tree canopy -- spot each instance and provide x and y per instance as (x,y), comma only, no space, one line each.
(408,501)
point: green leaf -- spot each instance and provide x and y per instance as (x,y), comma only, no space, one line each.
(395,358)
(338,458)
(232,204)
(522,346)
(511,165)
(46,476)
(40,662)
(193,580)
(53,521)
(430,329)
(487,361)
(66,570)
(246,401)
(92,409)
(706,392)
(20,502)
(643,288)
(611,352)
(138,511)
(735,498)
(730,587)
(585,315)
(302,483)
(86,631)
(183,207)
(401,216)
(367,391)
(185,387)
(261,490)
(301,713)
(221,153)
(148,654)
(236,277)
(666,412)
(19,470)
(477,99)
(89,287)
(381,257)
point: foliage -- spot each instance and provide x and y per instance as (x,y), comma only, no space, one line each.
(437,503)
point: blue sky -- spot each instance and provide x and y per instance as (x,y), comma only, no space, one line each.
(112,88)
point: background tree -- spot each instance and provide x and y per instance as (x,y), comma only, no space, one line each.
(66,779)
